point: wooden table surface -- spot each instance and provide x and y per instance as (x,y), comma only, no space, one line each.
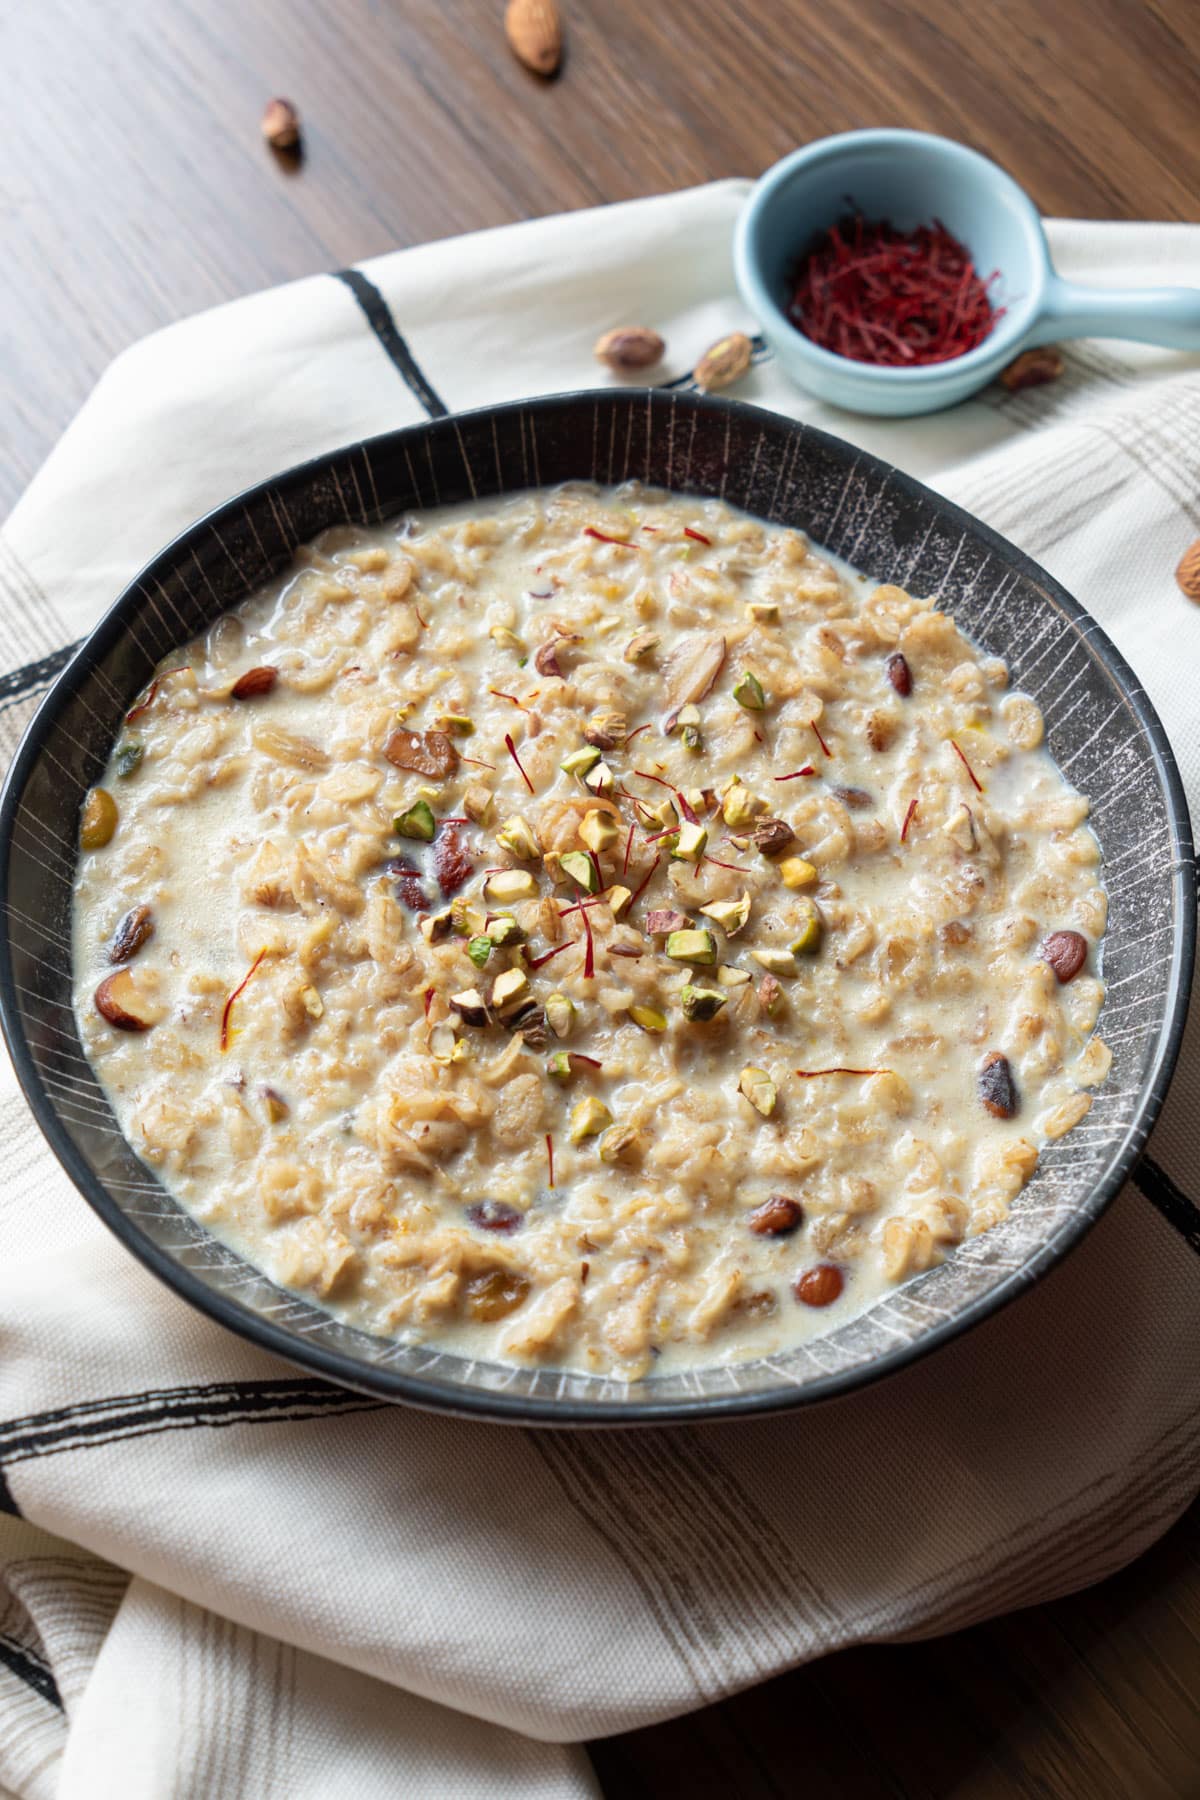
(134,188)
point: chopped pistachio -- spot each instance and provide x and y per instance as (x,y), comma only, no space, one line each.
(504,932)
(559,1065)
(691,947)
(748,692)
(442,1043)
(648,1017)
(665,814)
(808,935)
(587,1118)
(274,1105)
(508,640)
(758,1088)
(560,1014)
(618,899)
(430,794)
(796,872)
(689,845)
(455,724)
(732,977)
(470,1007)
(509,885)
(418,822)
(687,715)
(600,780)
(579,762)
(764,612)
(517,837)
(578,865)
(698,800)
(730,915)
(599,830)
(770,995)
(477,802)
(437,927)
(775,962)
(691,738)
(618,1142)
(641,646)
(469,919)
(740,806)
(129,759)
(508,989)
(479,949)
(552,864)
(701,1003)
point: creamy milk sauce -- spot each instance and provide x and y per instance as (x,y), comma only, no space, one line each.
(355,1116)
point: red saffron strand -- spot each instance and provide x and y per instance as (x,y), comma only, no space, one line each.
(428,1000)
(512,697)
(908,819)
(142,705)
(589,955)
(646,776)
(687,811)
(740,868)
(537,962)
(511,748)
(603,537)
(966,765)
(634,734)
(227,1009)
(421,616)
(811,1074)
(697,535)
(796,773)
(550,1156)
(645,884)
(593,1062)
(820,739)
(477,762)
(628,848)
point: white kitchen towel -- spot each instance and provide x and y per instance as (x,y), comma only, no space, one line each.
(318,1581)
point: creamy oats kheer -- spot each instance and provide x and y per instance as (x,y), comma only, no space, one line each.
(591,927)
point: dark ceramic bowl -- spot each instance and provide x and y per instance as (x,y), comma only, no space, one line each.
(1101,728)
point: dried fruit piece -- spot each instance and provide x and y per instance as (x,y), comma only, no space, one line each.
(606,730)
(778,1216)
(664,918)
(98,820)
(274,1105)
(701,1004)
(516,836)
(855,799)
(796,872)
(1066,952)
(724,362)
(129,760)
(534,32)
(1033,368)
(997,1089)
(820,1286)
(696,947)
(288,747)
(545,659)
(470,1007)
(409,891)
(1188,572)
(423,752)
(494,1215)
(898,673)
(771,837)
(730,915)
(689,845)
(648,1017)
(641,646)
(254,682)
(630,347)
(281,125)
(809,928)
(452,862)
(494,1295)
(560,1014)
(418,822)
(587,1118)
(748,692)
(135,929)
(117,1001)
(770,995)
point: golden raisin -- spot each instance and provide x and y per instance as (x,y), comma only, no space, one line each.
(494,1295)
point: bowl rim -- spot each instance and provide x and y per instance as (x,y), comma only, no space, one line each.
(388,1384)
(1001,343)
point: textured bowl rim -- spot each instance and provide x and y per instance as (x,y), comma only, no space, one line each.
(497,1405)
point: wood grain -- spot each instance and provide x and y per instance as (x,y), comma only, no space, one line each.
(135,188)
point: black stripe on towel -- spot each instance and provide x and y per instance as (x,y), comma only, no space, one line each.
(30,676)
(1170,1200)
(28,1668)
(378,315)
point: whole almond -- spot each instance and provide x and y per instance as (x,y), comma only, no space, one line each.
(254,682)
(116,1000)
(724,363)
(1033,368)
(630,347)
(1188,572)
(534,33)
(281,125)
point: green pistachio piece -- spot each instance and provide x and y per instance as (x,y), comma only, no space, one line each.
(739,806)
(691,738)
(618,899)
(437,927)
(808,936)
(600,780)
(455,724)
(763,612)
(701,1004)
(469,920)
(758,1088)
(747,691)
(730,915)
(129,759)
(508,989)
(508,640)
(691,946)
(479,949)
(665,814)
(560,1014)
(618,1143)
(775,962)
(587,1118)
(509,885)
(599,831)
(648,1017)
(505,932)
(580,868)
(559,1065)
(689,844)
(580,762)
(418,822)
(517,837)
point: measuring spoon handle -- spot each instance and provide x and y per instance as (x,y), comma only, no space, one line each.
(1166,316)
